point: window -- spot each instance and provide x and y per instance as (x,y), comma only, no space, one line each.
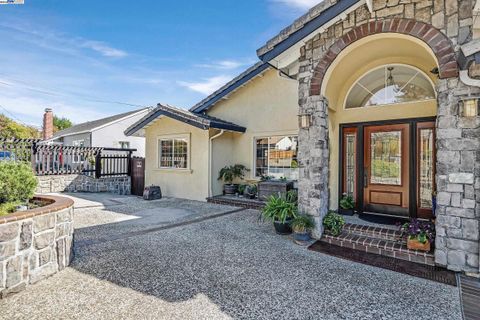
(277,157)
(390,84)
(349,160)
(124,144)
(78,143)
(386,158)
(173,152)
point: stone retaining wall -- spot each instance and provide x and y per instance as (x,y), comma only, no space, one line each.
(81,183)
(35,244)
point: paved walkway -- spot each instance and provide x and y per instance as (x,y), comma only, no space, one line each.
(221,267)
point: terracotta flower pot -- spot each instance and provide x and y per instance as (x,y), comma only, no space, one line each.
(414,244)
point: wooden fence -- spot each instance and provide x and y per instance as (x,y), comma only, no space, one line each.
(57,159)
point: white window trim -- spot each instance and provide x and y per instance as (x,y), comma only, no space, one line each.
(254,149)
(170,137)
(389,104)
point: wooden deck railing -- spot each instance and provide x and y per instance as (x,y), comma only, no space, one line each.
(57,159)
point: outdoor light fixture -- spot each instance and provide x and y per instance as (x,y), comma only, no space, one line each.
(305,120)
(469,107)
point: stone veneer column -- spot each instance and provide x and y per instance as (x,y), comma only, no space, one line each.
(458,180)
(313,156)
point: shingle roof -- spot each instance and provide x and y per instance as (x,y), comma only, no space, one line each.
(92,125)
(303,26)
(231,86)
(197,120)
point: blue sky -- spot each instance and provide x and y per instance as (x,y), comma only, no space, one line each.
(88,59)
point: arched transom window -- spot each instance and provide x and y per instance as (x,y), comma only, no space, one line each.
(390,84)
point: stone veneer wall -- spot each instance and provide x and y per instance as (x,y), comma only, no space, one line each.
(35,244)
(82,183)
(458,139)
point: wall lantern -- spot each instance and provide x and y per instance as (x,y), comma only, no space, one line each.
(469,107)
(305,120)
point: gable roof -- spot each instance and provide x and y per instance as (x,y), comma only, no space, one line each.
(194,119)
(95,124)
(315,18)
(230,87)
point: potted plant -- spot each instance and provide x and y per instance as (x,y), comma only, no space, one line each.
(420,234)
(241,189)
(333,223)
(347,204)
(250,191)
(230,173)
(301,225)
(280,210)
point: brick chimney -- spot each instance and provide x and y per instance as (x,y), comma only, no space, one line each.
(47,124)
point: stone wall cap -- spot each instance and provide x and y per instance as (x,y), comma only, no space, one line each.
(56,204)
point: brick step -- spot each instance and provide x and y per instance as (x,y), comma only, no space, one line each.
(374,232)
(394,249)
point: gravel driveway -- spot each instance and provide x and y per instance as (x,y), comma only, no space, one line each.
(139,260)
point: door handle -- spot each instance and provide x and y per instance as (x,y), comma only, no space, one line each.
(365,178)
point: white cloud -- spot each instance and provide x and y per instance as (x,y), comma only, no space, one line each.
(46,38)
(226,64)
(208,85)
(103,49)
(298,4)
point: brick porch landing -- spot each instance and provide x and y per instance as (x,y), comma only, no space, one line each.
(237,202)
(378,240)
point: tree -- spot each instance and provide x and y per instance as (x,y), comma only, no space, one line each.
(61,123)
(12,129)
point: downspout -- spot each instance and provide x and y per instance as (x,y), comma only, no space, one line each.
(210,161)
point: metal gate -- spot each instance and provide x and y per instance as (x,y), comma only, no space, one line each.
(138,175)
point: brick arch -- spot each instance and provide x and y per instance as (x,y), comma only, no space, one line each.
(436,40)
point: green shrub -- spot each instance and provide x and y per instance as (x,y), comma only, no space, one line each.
(17,182)
(333,223)
(279,209)
(8,207)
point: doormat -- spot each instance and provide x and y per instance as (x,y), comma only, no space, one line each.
(413,269)
(382,219)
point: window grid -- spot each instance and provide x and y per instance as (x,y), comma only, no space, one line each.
(277,156)
(173,153)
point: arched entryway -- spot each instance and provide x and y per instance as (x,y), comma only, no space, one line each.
(331,65)
(380,149)
(381,117)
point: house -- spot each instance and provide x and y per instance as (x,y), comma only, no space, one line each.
(107,132)
(374,98)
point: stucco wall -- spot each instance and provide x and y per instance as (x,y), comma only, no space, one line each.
(190,183)
(110,136)
(267,106)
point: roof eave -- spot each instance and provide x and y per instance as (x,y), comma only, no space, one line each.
(330,13)
(229,89)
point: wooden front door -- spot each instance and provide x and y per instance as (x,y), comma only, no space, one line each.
(386,169)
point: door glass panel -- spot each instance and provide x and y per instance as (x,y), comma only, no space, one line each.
(386,158)
(350,163)
(426,168)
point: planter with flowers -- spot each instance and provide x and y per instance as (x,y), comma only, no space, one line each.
(420,234)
